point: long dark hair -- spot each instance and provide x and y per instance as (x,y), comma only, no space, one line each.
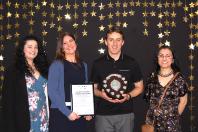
(60,55)
(40,61)
(175,63)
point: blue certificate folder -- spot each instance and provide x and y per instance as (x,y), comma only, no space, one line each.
(82,99)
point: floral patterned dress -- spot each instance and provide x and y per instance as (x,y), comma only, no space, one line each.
(38,104)
(168,119)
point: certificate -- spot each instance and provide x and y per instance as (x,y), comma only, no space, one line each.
(82,101)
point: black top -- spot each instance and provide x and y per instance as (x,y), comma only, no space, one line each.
(74,73)
(16,115)
(125,66)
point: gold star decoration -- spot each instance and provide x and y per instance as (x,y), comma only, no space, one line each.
(152,13)
(145,14)
(192,5)
(145,4)
(84,33)
(124,14)
(37,7)
(179,3)
(2,37)
(52,14)
(117,13)
(173,24)
(101,6)
(131,13)
(44,3)
(173,14)
(191,57)
(31,22)
(84,4)
(110,25)
(67,6)
(185,8)
(166,23)
(31,13)
(160,35)
(9,14)
(137,3)
(93,13)
(76,6)
(159,5)
(166,4)
(159,25)
(191,77)
(118,23)
(173,5)
(160,15)
(24,6)
(52,24)
(44,13)
(117,4)
(166,13)
(44,23)
(8,26)
(16,35)
(59,18)
(75,25)
(16,25)
(8,3)
(59,28)
(101,41)
(101,28)
(84,14)
(93,3)
(152,3)
(166,33)
(125,5)
(60,7)
(145,32)
(8,36)
(31,4)
(2,67)
(52,5)
(110,15)
(1,6)
(24,16)
(124,25)
(110,5)
(132,3)
(145,23)
(67,16)
(84,23)
(16,5)
(101,17)
(44,33)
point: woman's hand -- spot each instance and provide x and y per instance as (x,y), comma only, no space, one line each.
(73,116)
(88,118)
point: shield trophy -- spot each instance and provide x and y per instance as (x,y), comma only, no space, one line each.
(115,85)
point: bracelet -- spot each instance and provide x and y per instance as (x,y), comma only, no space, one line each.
(129,96)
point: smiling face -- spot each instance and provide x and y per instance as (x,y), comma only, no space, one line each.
(30,50)
(69,45)
(165,58)
(114,43)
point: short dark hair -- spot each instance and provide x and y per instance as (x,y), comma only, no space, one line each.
(115,29)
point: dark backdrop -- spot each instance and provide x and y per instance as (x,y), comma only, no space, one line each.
(137,45)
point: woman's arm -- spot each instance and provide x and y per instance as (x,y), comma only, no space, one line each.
(182,103)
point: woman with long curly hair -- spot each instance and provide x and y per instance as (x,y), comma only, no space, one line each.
(24,96)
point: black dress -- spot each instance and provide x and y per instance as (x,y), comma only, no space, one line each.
(168,119)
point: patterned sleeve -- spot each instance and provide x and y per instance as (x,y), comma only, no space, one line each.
(147,90)
(183,86)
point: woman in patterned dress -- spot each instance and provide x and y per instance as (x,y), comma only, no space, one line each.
(25,99)
(166,119)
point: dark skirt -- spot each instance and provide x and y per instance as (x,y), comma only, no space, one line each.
(60,123)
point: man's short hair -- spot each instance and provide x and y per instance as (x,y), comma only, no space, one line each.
(114,29)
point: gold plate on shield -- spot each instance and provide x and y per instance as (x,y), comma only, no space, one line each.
(115,85)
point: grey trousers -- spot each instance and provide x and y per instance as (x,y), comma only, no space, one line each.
(114,123)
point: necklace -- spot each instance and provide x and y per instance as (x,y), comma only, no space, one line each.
(166,75)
